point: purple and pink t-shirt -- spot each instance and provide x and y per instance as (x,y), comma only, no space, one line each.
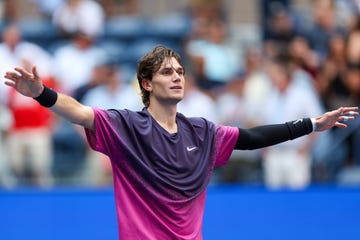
(160,178)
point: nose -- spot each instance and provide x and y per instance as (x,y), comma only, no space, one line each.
(176,77)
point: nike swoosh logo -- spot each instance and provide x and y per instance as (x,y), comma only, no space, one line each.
(297,121)
(189,149)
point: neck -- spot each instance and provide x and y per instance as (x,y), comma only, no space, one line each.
(164,116)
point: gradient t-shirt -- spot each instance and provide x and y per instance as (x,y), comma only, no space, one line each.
(160,178)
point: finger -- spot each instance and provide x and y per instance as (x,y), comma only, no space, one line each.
(12,75)
(341,111)
(35,72)
(351,108)
(24,73)
(346,118)
(9,83)
(348,109)
(340,125)
(351,113)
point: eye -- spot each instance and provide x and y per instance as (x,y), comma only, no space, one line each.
(167,71)
(181,71)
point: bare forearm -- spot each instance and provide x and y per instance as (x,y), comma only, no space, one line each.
(73,111)
(29,84)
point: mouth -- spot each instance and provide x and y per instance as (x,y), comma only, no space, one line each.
(176,87)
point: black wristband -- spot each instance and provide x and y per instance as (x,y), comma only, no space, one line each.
(47,98)
(300,127)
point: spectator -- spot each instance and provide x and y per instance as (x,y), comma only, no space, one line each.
(332,90)
(233,110)
(280,32)
(242,104)
(231,102)
(48,7)
(100,71)
(110,92)
(74,16)
(351,166)
(6,121)
(115,8)
(197,103)
(74,62)
(206,10)
(27,134)
(14,51)
(331,80)
(324,26)
(352,50)
(257,86)
(215,61)
(288,165)
(10,11)
(304,57)
(30,141)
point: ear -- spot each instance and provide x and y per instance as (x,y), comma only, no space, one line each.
(146,84)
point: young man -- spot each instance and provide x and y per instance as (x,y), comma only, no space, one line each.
(161,160)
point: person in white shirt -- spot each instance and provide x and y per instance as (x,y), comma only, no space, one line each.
(288,165)
(197,103)
(75,61)
(25,133)
(86,16)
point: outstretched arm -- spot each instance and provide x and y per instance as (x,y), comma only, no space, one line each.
(29,84)
(267,135)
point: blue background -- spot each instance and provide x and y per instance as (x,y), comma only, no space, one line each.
(231,212)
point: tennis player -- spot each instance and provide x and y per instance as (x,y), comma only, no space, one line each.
(162,161)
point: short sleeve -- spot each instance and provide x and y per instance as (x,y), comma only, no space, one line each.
(225,140)
(98,138)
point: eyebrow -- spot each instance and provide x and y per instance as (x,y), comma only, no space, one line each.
(171,68)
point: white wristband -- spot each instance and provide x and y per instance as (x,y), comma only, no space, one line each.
(313,121)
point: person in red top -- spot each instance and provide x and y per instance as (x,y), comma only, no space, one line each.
(29,140)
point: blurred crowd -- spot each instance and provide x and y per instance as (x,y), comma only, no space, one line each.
(303,64)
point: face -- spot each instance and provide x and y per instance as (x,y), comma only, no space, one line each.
(167,85)
(12,36)
(278,76)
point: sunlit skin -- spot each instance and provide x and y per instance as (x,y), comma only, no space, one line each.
(166,90)
(167,85)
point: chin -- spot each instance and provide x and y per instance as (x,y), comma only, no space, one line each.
(177,100)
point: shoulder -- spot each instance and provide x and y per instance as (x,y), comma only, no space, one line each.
(126,113)
(130,117)
(121,118)
(196,122)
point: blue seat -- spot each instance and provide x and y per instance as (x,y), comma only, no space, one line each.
(136,49)
(125,28)
(174,25)
(56,44)
(114,48)
(69,152)
(39,31)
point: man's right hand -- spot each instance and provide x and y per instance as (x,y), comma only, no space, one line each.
(27,83)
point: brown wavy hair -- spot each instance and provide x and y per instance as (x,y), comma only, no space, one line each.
(149,64)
